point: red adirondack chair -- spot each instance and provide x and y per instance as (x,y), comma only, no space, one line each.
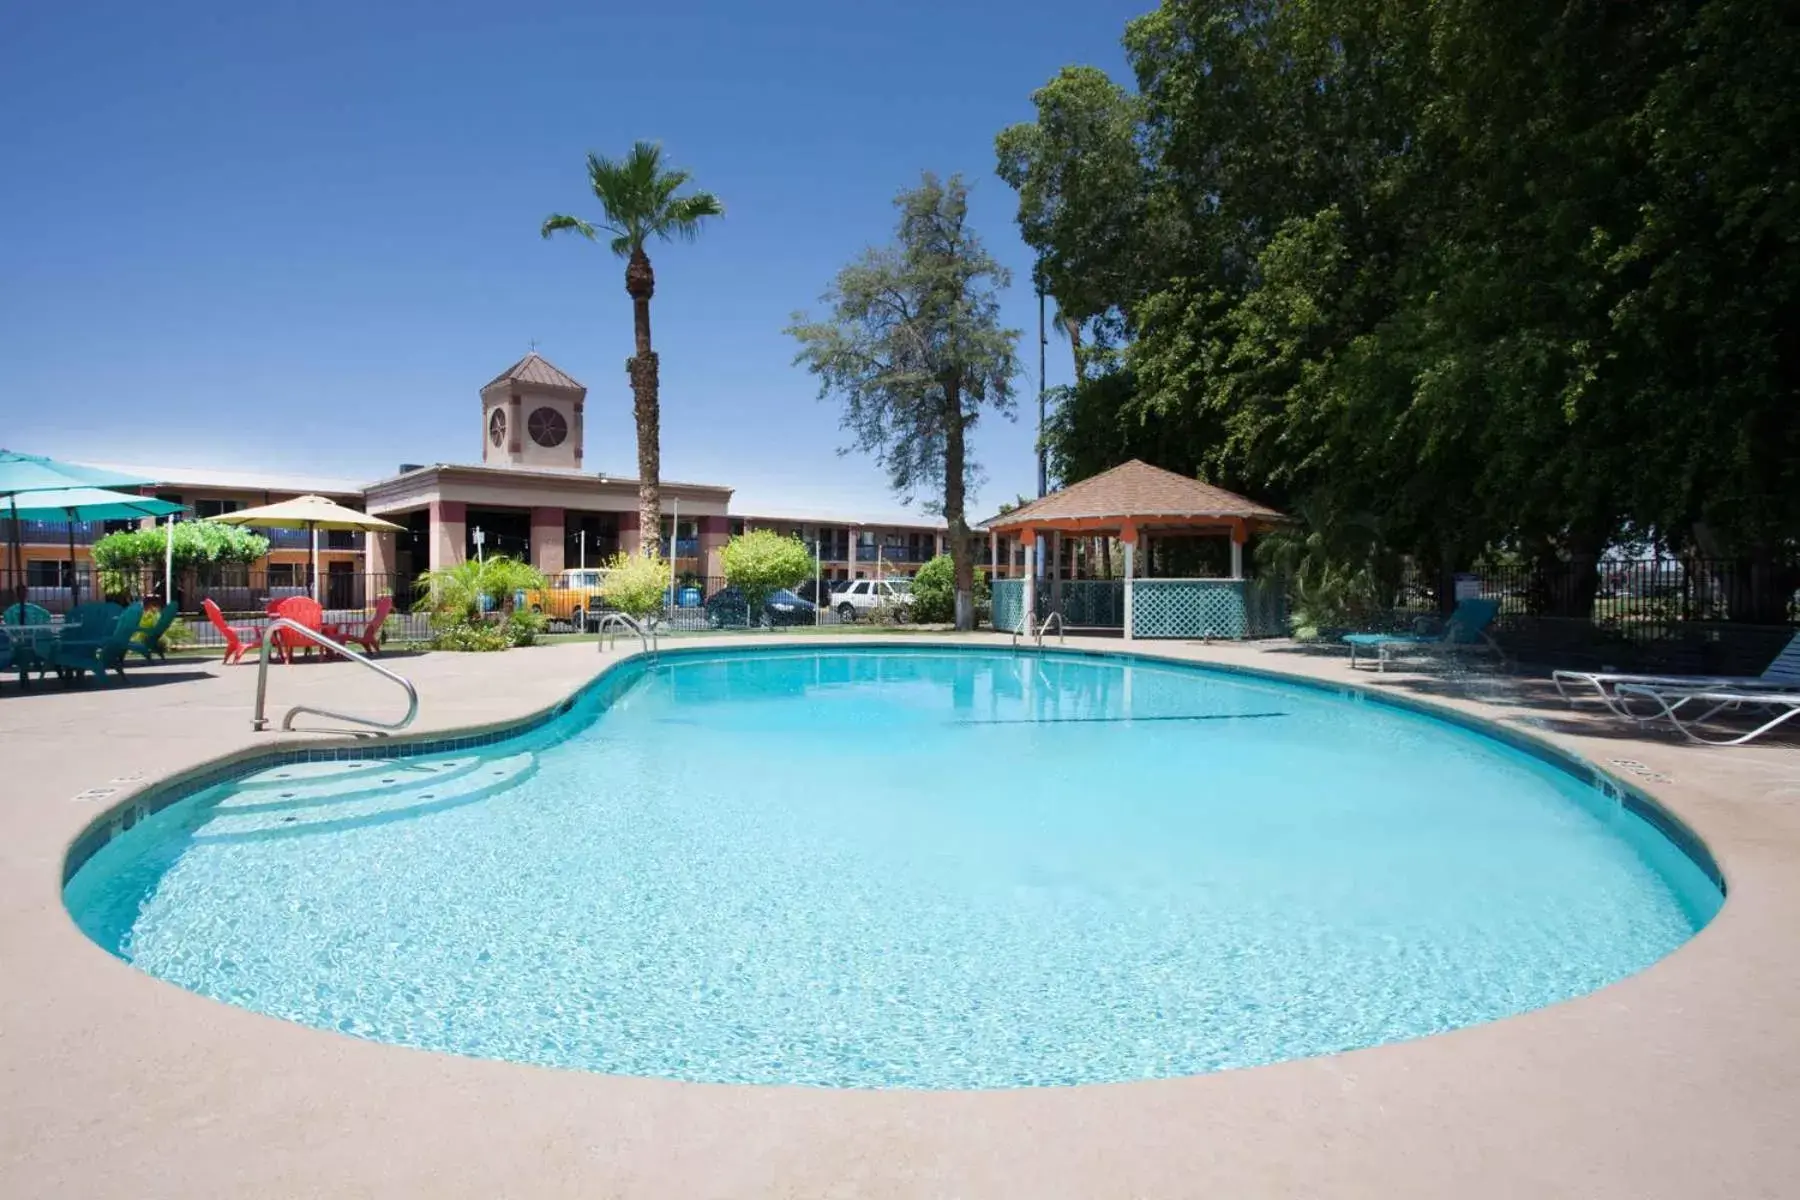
(303,610)
(238,638)
(368,634)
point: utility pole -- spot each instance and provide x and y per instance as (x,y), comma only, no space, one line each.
(1043,341)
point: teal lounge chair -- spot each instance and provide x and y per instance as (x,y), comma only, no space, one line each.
(149,641)
(76,654)
(1466,630)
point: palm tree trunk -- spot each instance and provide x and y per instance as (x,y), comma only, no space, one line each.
(1073,328)
(640,283)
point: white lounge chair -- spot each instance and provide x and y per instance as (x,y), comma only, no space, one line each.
(1688,708)
(1781,675)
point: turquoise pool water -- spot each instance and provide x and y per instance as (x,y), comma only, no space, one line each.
(870,867)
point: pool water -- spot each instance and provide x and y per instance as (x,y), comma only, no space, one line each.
(878,867)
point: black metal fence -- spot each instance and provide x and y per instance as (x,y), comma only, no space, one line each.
(243,599)
(1659,613)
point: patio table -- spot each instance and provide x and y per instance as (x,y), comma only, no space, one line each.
(30,642)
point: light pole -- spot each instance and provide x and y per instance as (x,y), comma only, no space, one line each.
(1043,341)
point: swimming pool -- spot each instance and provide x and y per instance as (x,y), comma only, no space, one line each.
(881,867)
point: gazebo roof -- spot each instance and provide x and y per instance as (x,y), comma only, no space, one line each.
(1136,493)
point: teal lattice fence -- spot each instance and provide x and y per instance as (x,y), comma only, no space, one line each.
(1189,608)
(1086,603)
(1008,605)
(1265,608)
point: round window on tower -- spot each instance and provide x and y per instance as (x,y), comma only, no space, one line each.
(547,427)
(497,426)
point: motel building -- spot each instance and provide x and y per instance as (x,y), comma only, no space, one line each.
(530,496)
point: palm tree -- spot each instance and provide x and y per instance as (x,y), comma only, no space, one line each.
(637,197)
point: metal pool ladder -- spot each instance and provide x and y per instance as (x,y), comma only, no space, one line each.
(1055,618)
(616,621)
(261,722)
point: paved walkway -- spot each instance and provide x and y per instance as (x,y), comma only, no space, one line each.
(1681,1081)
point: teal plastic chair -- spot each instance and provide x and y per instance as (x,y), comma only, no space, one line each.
(1465,630)
(25,614)
(148,642)
(21,653)
(77,655)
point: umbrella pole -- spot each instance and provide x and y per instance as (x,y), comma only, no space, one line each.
(169,563)
(312,557)
(74,587)
(18,556)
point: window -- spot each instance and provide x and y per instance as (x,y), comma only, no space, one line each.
(47,573)
(547,427)
(497,426)
(215,508)
(283,575)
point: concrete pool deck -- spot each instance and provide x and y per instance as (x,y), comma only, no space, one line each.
(1683,1080)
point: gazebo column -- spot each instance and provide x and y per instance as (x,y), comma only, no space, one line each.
(1238,535)
(993,557)
(1056,570)
(1028,539)
(1128,534)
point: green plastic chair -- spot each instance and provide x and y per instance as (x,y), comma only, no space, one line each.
(76,655)
(149,641)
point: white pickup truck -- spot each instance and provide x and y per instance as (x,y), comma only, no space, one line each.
(863,596)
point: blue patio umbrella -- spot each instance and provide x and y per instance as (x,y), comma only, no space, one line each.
(23,474)
(87,504)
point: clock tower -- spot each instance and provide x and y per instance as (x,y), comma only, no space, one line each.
(531,417)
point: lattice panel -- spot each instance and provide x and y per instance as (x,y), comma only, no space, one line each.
(1008,604)
(1188,608)
(1093,603)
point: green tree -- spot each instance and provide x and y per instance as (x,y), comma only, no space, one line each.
(635,584)
(915,351)
(638,197)
(933,591)
(761,561)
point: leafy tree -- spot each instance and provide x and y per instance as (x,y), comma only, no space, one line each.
(933,591)
(635,584)
(1509,278)
(762,561)
(638,198)
(914,350)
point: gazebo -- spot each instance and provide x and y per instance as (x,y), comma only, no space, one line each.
(1136,503)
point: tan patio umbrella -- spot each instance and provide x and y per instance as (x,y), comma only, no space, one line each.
(311,513)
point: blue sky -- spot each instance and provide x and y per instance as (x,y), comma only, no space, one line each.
(299,237)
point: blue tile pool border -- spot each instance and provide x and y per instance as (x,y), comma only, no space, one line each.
(616,677)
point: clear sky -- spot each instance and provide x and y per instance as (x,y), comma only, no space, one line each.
(300,236)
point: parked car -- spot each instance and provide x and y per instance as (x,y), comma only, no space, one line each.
(573,598)
(726,609)
(818,591)
(864,596)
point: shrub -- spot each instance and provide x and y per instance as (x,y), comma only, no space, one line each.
(461,594)
(177,634)
(125,558)
(762,561)
(934,591)
(523,628)
(635,584)
(470,635)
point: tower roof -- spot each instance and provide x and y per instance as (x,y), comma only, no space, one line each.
(536,371)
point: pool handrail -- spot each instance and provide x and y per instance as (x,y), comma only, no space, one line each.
(616,621)
(260,722)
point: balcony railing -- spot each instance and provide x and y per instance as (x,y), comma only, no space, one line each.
(896,554)
(52,533)
(684,548)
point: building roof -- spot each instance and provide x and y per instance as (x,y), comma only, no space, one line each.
(537,371)
(243,481)
(1138,492)
(563,474)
